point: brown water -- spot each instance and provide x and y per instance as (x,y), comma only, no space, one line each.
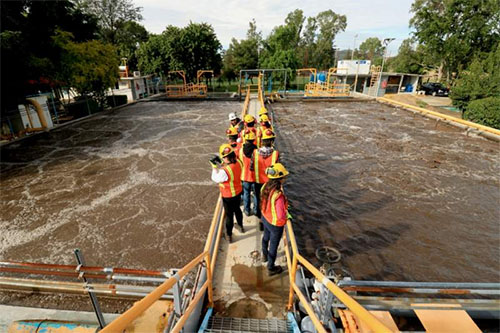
(402,197)
(130,188)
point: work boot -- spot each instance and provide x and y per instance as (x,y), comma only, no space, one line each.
(230,239)
(275,270)
(264,258)
(242,229)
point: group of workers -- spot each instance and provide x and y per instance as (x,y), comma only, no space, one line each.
(248,165)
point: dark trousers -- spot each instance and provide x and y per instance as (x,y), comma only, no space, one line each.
(248,188)
(270,242)
(232,208)
(257,188)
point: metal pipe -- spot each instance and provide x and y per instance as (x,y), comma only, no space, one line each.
(85,268)
(354,306)
(317,324)
(423,290)
(403,284)
(120,323)
(179,325)
(75,288)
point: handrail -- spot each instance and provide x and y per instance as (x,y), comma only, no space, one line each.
(347,300)
(121,323)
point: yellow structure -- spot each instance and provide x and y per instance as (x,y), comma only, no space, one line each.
(328,88)
(187,90)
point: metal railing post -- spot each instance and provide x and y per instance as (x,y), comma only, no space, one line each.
(209,279)
(93,298)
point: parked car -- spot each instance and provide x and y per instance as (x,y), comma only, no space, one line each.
(434,89)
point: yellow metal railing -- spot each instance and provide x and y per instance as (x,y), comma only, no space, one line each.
(293,259)
(121,323)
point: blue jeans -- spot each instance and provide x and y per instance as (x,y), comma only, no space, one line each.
(248,188)
(270,242)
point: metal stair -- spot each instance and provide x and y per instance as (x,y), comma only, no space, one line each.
(224,324)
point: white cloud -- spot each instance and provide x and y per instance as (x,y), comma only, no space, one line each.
(367,18)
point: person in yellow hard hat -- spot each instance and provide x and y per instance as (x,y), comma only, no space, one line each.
(263,111)
(274,206)
(264,125)
(248,174)
(263,158)
(250,124)
(227,173)
(232,136)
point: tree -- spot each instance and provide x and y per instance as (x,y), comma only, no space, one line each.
(330,24)
(89,67)
(243,54)
(371,49)
(455,31)
(190,48)
(409,59)
(111,14)
(130,35)
(30,59)
(480,80)
(308,45)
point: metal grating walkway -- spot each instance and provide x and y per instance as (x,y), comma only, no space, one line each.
(223,324)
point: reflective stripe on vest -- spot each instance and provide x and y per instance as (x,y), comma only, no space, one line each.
(229,188)
(256,165)
(246,174)
(269,211)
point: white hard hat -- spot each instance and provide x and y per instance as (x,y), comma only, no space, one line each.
(232,116)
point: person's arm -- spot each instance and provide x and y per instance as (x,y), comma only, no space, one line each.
(219,175)
(280,208)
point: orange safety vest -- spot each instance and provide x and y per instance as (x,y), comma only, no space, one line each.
(247,175)
(260,164)
(232,186)
(269,211)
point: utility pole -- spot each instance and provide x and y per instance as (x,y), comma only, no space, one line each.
(354,47)
(386,43)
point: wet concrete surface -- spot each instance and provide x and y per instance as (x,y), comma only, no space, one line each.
(130,188)
(401,196)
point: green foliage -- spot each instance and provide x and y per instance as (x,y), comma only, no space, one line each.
(484,111)
(89,67)
(371,49)
(30,59)
(191,48)
(410,59)
(455,31)
(128,37)
(480,80)
(243,54)
(280,49)
(111,14)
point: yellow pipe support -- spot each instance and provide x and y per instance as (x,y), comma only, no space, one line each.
(347,300)
(39,111)
(317,324)
(442,116)
(121,323)
(180,324)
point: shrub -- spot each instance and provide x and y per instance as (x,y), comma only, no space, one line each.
(116,100)
(484,111)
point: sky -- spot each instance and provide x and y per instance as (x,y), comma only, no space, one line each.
(365,18)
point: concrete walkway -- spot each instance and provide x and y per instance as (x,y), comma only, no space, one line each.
(242,286)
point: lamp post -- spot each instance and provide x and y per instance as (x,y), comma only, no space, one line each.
(354,47)
(386,43)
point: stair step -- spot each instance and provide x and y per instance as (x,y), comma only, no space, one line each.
(225,324)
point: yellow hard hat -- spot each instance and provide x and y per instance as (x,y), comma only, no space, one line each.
(249,135)
(268,134)
(232,131)
(249,118)
(264,118)
(225,150)
(262,110)
(276,171)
